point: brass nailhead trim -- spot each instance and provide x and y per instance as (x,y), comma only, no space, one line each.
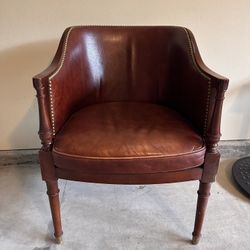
(205,76)
(52,112)
(52,115)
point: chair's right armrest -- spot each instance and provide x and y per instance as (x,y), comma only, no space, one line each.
(41,84)
(59,90)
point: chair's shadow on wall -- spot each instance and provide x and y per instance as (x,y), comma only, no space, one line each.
(18,66)
(241,107)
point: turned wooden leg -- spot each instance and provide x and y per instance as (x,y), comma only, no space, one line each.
(53,193)
(203,195)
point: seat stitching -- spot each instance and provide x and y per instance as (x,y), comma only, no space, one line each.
(128,157)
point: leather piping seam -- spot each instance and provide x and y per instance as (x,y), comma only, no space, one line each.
(196,67)
(62,59)
(127,158)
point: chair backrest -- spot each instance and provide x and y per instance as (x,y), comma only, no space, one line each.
(115,63)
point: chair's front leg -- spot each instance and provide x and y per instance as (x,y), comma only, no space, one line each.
(53,193)
(203,195)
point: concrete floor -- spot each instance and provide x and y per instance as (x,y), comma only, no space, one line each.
(109,217)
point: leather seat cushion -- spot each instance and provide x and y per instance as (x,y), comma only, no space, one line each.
(127,137)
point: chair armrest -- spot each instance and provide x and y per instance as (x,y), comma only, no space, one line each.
(199,62)
(200,92)
(60,89)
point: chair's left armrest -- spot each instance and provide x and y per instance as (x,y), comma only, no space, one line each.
(217,88)
(200,93)
(201,65)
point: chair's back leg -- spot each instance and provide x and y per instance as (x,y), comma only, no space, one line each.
(53,193)
(203,195)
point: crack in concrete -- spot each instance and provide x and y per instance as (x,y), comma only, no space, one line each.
(64,193)
(41,248)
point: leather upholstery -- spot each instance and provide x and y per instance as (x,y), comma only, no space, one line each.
(127,137)
(150,64)
(154,75)
(129,105)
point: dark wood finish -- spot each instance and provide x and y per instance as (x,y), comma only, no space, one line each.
(203,195)
(45,130)
(47,165)
(157,65)
(132,179)
(53,194)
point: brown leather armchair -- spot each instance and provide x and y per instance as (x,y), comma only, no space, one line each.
(129,105)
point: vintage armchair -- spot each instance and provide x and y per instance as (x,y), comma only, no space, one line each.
(129,105)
